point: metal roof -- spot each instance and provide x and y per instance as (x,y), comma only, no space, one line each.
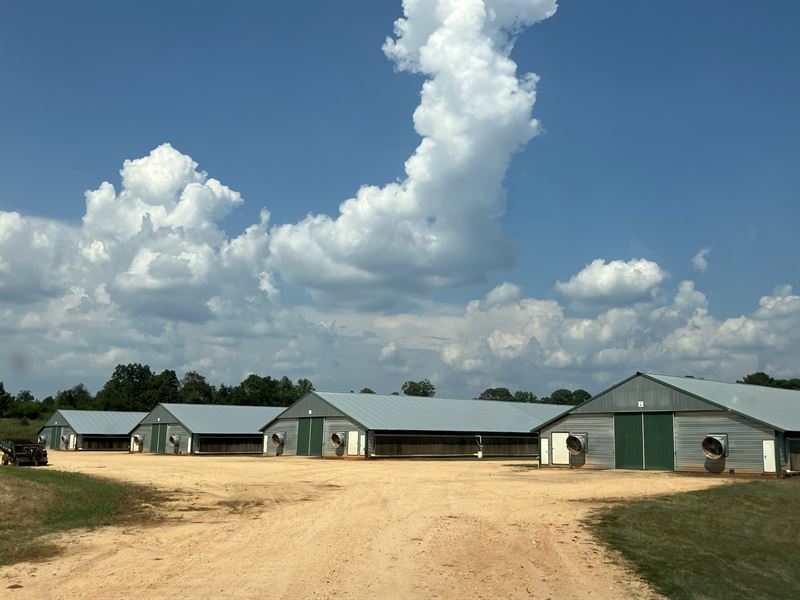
(417,413)
(773,406)
(97,422)
(223,418)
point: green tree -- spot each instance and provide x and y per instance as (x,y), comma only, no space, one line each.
(255,390)
(130,388)
(580,396)
(520,396)
(419,388)
(498,393)
(25,406)
(77,397)
(195,389)
(164,387)
(6,400)
(304,386)
(223,394)
(367,390)
(565,396)
(761,378)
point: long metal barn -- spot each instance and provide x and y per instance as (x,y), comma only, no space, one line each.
(371,425)
(89,429)
(661,422)
(202,429)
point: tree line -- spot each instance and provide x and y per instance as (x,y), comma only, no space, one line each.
(503,394)
(761,378)
(136,387)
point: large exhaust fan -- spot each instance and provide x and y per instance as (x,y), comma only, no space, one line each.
(339,439)
(715,445)
(578,443)
(278,438)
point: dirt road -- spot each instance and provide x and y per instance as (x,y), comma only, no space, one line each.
(309,528)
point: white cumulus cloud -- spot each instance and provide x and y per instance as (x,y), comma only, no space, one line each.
(615,282)
(699,260)
(438,226)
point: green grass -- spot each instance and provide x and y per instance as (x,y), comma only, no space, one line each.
(25,429)
(731,541)
(35,502)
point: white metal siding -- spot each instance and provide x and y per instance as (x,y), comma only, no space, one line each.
(289,428)
(175,429)
(68,431)
(146,431)
(332,425)
(600,430)
(745,439)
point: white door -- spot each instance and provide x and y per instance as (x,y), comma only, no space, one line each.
(352,443)
(362,444)
(560,452)
(769,455)
(545,451)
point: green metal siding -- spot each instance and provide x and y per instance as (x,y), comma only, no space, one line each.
(659,445)
(628,442)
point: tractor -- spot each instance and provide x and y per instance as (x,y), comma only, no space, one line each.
(23,452)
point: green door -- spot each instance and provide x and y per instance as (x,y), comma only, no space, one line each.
(303,435)
(628,442)
(55,438)
(158,438)
(659,444)
(315,438)
(309,436)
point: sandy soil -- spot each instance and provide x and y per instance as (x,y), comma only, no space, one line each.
(256,527)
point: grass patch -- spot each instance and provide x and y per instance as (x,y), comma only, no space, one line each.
(732,541)
(22,429)
(38,502)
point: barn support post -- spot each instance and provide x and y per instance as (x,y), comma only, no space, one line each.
(778,442)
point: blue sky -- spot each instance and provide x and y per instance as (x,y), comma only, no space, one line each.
(666,128)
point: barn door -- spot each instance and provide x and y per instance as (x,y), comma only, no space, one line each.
(659,443)
(315,436)
(559,450)
(158,438)
(628,441)
(545,451)
(55,438)
(303,432)
(768,449)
